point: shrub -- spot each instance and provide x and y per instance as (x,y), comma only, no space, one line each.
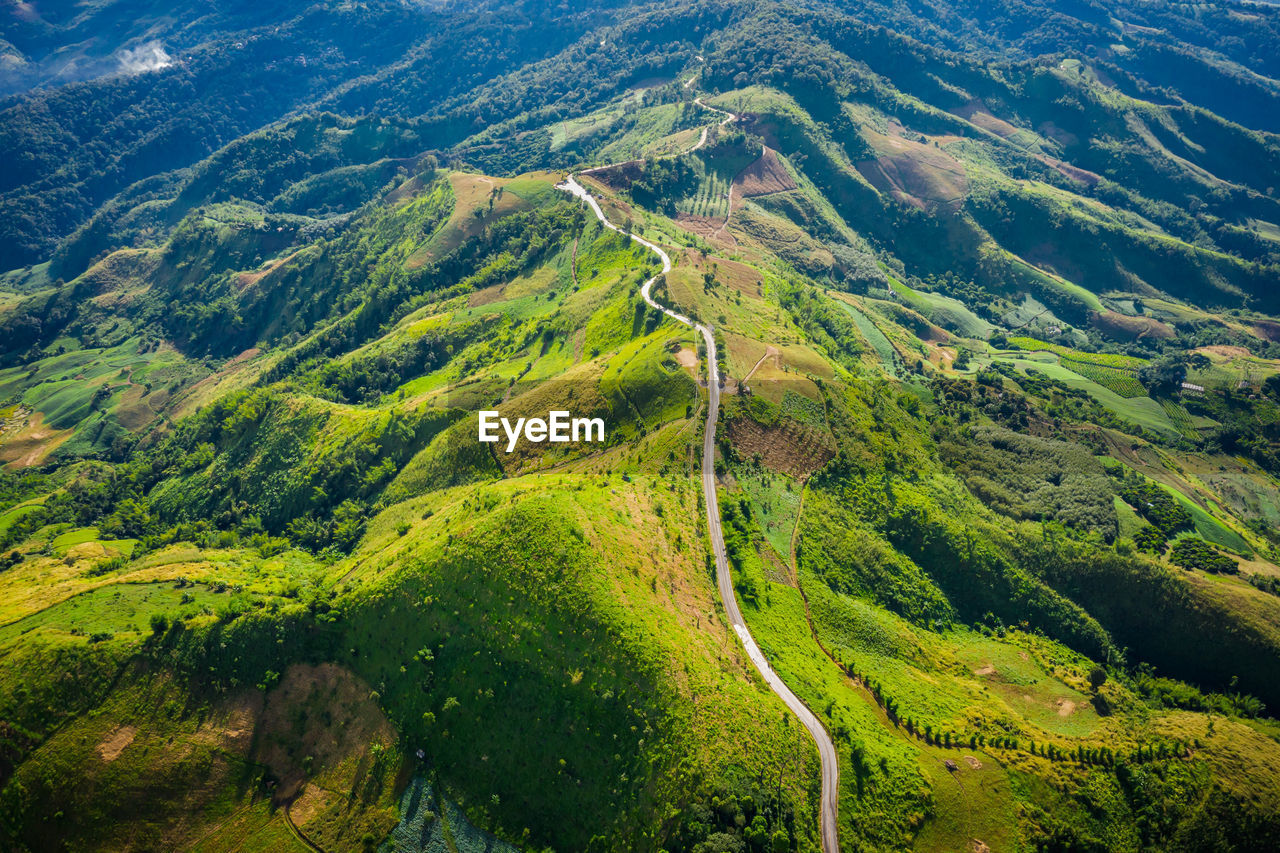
(1157,506)
(1193,552)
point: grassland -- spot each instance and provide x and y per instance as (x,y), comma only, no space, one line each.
(776,499)
(884,350)
(1140,411)
(946,311)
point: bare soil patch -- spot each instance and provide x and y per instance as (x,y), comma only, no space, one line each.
(988,669)
(321,711)
(1267,330)
(1058,134)
(1075,173)
(763,177)
(1226,351)
(619,176)
(471,193)
(483,297)
(247,279)
(704,226)
(1130,328)
(976,113)
(115,743)
(914,173)
(31,444)
(134,412)
(740,277)
(974,764)
(789,449)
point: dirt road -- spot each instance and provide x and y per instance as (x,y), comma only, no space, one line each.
(702,139)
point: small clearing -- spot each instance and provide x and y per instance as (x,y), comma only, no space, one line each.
(246,279)
(790,449)
(769,352)
(1130,328)
(913,172)
(764,177)
(115,743)
(1226,351)
(976,113)
(31,444)
(1267,330)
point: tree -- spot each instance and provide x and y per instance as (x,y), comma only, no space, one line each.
(1165,375)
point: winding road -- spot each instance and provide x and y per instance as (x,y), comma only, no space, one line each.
(724,579)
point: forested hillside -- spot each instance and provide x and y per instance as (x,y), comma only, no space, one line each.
(994,292)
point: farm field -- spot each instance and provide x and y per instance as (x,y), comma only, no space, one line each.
(1141,411)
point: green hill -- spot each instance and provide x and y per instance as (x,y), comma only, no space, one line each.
(993,291)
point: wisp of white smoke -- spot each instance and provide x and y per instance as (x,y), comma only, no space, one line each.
(150,56)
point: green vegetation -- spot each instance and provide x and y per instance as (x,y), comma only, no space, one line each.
(1191,552)
(1025,477)
(997,455)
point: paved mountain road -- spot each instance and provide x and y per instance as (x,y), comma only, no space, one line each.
(724,579)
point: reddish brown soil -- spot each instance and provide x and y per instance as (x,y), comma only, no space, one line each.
(976,113)
(246,279)
(338,721)
(764,176)
(709,228)
(740,277)
(1075,173)
(790,449)
(1267,330)
(914,173)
